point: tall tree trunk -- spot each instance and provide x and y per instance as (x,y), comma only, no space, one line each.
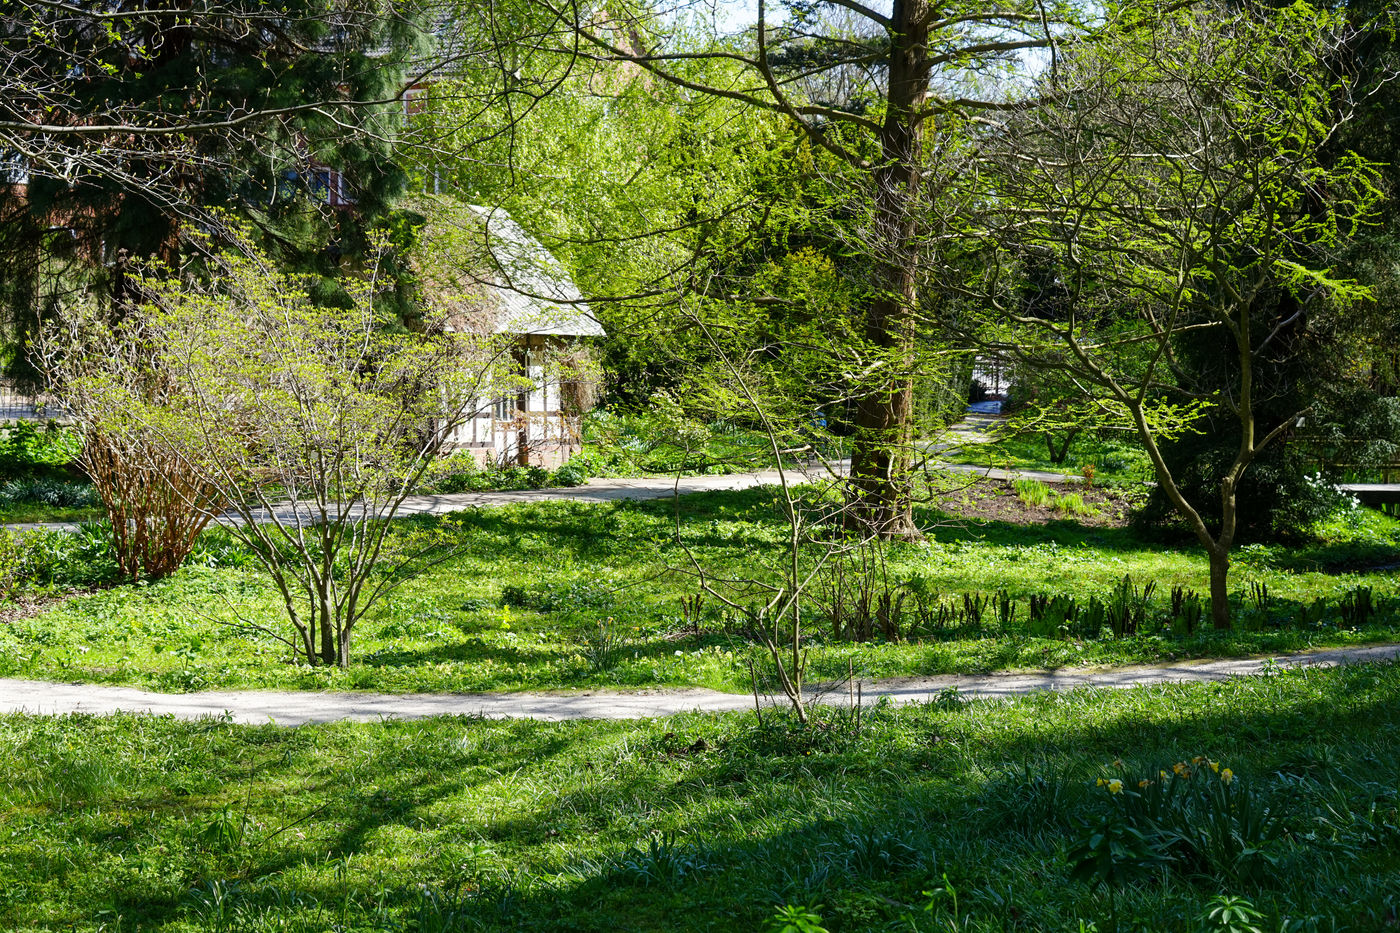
(1219,587)
(1220,552)
(327,613)
(881,493)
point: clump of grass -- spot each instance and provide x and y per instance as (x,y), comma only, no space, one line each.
(1072,503)
(1033,492)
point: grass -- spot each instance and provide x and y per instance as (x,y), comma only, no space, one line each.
(941,816)
(1072,503)
(1032,492)
(13,513)
(1114,458)
(1036,494)
(571,595)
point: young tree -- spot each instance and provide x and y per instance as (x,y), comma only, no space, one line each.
(1180,181)
(310,424)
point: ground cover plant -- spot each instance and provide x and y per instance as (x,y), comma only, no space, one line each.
(1149,809)
(665,440)
(39,481)
(1111,457)
(560,595)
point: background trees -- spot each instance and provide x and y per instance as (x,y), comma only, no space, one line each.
(1182,185)
(860,95)
(120,122)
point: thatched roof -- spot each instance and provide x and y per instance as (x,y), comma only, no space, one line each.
(484,273)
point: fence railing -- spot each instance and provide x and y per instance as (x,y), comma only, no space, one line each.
(20,404)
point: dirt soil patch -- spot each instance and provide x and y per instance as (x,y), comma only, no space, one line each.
(997,501)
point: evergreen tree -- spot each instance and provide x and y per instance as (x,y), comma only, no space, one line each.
(120,122)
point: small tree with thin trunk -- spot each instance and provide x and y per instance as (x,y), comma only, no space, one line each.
(311,424)
(1181,184)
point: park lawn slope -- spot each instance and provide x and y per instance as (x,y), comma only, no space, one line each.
(571,595)
(705,822)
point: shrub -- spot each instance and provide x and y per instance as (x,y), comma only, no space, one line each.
(105,371)
(239,391)
(572,473)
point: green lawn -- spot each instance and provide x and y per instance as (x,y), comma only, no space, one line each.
(23,512)
(945,816)
(1115,457)
(569,595)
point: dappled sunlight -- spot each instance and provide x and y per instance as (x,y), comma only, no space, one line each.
(530,825)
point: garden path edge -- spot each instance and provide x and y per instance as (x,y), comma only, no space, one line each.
(287,708)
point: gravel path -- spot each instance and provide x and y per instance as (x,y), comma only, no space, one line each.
(294,709)
(972,430)
(595,490)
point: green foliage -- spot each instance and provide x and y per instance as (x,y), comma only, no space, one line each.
(26,450)
(1033,492)
(43,560)
(55,493)
(704,822)
(1228,913)
(665,440)
(569,595)
(1073,503)
(1117,459)
(461,473)
(1279,499)
(1198,818)
(267,66)
(794,918)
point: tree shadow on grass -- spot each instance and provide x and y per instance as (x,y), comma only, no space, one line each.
(964,796)
(244,819)
(761,814)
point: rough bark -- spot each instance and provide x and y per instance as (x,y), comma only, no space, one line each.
(1219,587)
(882,453)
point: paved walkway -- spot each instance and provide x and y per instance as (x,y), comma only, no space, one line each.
(294,709)
(972,430)
(595,490)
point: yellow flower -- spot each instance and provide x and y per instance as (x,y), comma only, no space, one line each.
(1181,770)
(1118,763)
(1162,775)
(1198,759)
(1115,786)
(1215,766)
(1144,783)
(1227,777)
(1102,782)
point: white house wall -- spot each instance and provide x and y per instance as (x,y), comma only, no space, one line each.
(551,437)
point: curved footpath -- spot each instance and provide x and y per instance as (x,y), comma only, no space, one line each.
(294,709)
(974,430)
